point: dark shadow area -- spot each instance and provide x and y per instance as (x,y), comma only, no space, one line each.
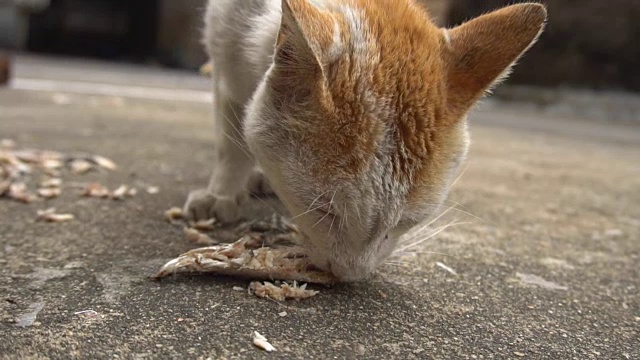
(110,29)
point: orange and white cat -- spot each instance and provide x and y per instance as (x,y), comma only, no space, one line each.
(354,111)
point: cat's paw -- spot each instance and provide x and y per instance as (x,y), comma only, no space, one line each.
(203,205)
(258,185)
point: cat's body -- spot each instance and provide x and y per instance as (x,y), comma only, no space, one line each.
(355,110)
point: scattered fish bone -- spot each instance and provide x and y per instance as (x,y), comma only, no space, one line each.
(262,342)
(50,215)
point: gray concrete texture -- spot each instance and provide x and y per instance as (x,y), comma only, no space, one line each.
(544,264)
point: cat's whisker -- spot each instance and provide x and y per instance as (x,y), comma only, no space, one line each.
(423,236)
(239,140)
(317,198)
(415,232)
(327,214)
(333,215)
(240,146)
(309,209)
(464,211)
(398,264)
(459,175)
(429,236)
(257,196)
(233,124)
(404,254)
(331,226)
(359,216)
(469,214)
(343,219)
(434,253)
(322,218)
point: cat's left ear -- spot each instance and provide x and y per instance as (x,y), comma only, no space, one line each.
(482,51)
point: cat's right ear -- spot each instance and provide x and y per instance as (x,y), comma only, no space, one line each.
(293,45)
(298,68)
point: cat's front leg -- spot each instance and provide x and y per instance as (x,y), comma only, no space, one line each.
(233,168)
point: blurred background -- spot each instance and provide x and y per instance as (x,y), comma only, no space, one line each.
(162,32)
(589,44)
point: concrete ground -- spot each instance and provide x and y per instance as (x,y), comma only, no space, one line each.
(543,265)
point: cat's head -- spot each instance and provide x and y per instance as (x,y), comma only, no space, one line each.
(360,123)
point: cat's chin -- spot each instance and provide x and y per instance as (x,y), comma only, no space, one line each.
(346,269)
(351,273)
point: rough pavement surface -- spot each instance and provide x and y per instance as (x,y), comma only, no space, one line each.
(543,263)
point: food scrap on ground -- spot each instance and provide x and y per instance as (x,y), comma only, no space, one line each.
(96,190)
(80,166)
(194,236)
(249,257)
(446,268)
(122,192)
(51,183)
(174,214)
(262,342)
(205,225)
(282,292)
(50,215)
(20,167)
(18,191)
(265,250)
(104,162)
(86,313)
(49,193)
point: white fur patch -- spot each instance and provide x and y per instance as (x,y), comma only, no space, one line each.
(358,31)
(336,48)
(320,4)
(447,37)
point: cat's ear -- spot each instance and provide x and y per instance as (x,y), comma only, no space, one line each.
(299,45)
(294,46)
(482,51)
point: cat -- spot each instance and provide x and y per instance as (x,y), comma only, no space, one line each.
(354,112)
